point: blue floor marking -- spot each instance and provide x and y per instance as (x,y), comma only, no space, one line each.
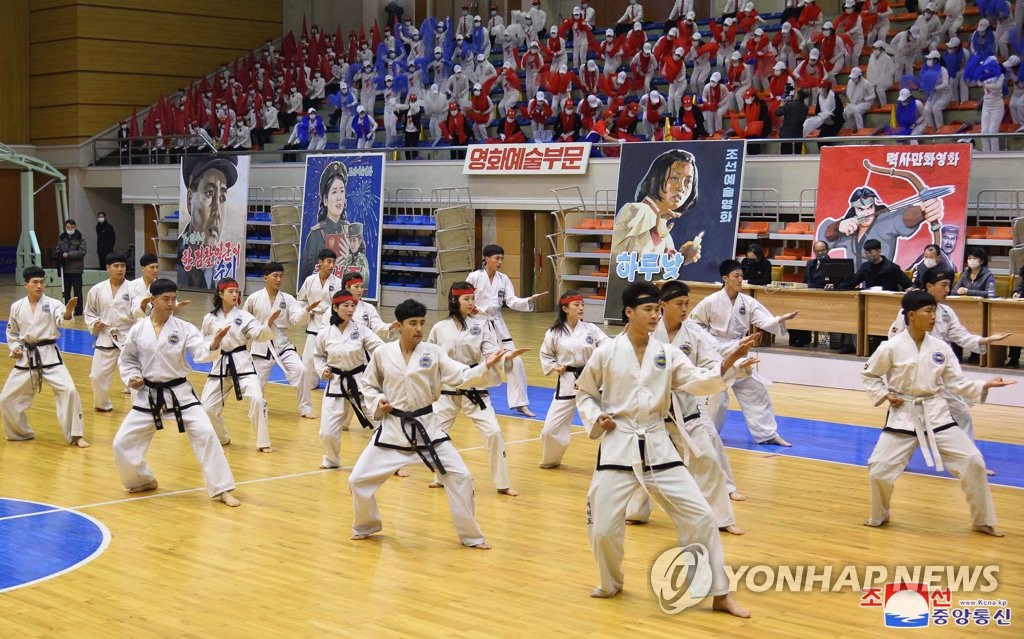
(36,547)
(818,440)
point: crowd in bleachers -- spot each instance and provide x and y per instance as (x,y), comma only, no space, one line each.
(466,79)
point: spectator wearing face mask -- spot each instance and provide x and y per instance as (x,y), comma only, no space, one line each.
(931,258)
(977,280)
(70,253)
(106,237)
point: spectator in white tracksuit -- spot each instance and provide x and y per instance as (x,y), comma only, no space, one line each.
(907,46)
(941,93)
(992,110)
(954,10)
(1012,66)
(826,106)
(861,95)
(929,27)
(881,71)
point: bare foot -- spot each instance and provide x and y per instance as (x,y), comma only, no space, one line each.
(310,416)
(227,443)
(228,499)
(359,537)
(80,442)
(401,472)
(725,603)
(144,487)
(546,466)
(511,492)
(733,530)
(988,530)
(737,496)
(635,522)
(435,484)
(266,449)
(776,441)
(483,546)
(597,593)
(874,525)
(525,410)
(989,472)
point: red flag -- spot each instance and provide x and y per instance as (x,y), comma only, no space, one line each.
(375,33)
(288,46)
(133,126)
(352,47)
(362,34)
(305,34)
(339,44)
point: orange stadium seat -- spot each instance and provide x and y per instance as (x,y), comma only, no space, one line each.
(757,228)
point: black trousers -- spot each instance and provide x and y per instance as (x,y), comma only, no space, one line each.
(73,286)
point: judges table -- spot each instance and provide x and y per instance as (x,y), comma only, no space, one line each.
(882,307)
(1003,316)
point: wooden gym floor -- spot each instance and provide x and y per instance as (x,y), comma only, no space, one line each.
(282,565)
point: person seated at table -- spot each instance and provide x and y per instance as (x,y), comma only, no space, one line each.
(757,269)
(977,280)
(931,259)
(880,273)
(1013,360)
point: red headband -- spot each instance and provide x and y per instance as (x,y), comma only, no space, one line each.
(342,296)
(456,292)
(223,286)
(354,280)
(569,299)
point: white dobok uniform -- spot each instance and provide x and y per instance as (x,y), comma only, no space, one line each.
(692,433)
(280,349)
(949,329)
(921,376)
(310,291)
(166,397)
(235,370)
(639,451)
(411,432)
(35,332)
(367,315)
(117,311)
(728,322)
(471,346)
(572,348)
(343,352)
(491,296)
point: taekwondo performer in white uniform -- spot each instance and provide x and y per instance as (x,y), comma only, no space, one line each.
(235,369)
(470,340)
(493,292)
(910,371)
(149,267)
(401,385)
(624,395)
(340,356)
(728,315)
(32,338)
(948,328)
(567,347)
(153,363)
(321,285)
(261,305)
(109,315)
(691,432)
(365,313)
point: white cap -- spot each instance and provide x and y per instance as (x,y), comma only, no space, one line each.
(729,21)
(563,68)
(534,43)
(576,11)
(904,95)
(716,77)
(735,55)
(695,36)
(828,26)
(438,50)
(759,32)
(849,4)
(690,15)
(748,7)
(343,86)
(647,47)
(914,31)
(674,32)
(1012,61)
(786,27)
(953,43)
(638,26)
(553,30)
(311,111)
(459,36)
(855,72)
(679,52)
(930,7)
(592,100)
(507,64)
(933,55)
(480,58)
(780,66)
(457,68)
(592,65)
(540,97)
(814,54)
(879,44)
(609,32)
(621,76)
(478,87)
(983,24)
(361,109)
(388,78)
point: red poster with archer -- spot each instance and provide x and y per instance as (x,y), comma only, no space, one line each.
(906,197)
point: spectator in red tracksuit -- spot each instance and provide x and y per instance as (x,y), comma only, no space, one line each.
(567,125)
(509,131)
(455,130)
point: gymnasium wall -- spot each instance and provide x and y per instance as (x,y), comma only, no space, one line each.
(91,61)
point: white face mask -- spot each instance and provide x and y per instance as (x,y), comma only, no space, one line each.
(748,100)
(973,262)
(930,262)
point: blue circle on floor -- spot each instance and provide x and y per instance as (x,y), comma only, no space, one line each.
(41,541)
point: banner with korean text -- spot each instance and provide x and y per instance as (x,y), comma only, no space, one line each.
(905,197)
(676,213)
(526,159)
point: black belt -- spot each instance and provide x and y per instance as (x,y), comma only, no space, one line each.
(688,418)
(475,395)
(412,427)
(350,391)
(35,361)
(576,371)
(270,349)
(158,402)
(232,373)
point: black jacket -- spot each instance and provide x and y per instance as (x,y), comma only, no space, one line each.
(74,245)
(793,113)
(757,271)
(106,237)
(885,274)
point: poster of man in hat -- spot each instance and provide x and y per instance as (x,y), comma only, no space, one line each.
(211,225)
(342,210)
